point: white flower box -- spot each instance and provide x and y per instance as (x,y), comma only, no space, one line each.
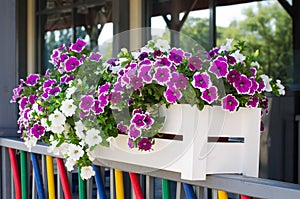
(198,153)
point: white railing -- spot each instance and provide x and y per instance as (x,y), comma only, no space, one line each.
(234,184)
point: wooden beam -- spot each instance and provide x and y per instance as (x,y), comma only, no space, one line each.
(212,23)
(287,7)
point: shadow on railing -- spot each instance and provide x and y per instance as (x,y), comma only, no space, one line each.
(39,174)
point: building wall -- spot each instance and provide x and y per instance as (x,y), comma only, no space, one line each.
(8,67)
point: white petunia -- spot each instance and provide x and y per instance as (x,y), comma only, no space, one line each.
(79,127)
(163,45)
(35,108)
(45,124)
(75,152)
(68,108)
(53,147)
(70,91)
(57,118)
(238,56)
(92,137)
(57,129)
(227,46)
(255,64)
(87,172)
(280,87)
(70,164)
(91,155)
(30,142)
(266,80)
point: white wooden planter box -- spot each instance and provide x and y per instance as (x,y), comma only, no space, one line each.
(198,153)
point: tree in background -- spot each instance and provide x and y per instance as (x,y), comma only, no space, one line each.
(268,28)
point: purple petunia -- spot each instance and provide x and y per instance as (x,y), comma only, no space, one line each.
(78,46)
(71,64)
(32,79)
(145,144)
(103,100)
(209,95)
(86,103)
(172,94)
(254,86)
(95,57)
(122,127)
(54,91)
(201,80)
(253,71)
(162,75)
(230,59)
(230,103)
(115,97)
(23,103)
(180,80)
(195,63)
(163,61)
(104,88)
(97,108)
(134,132)
(136,82)
(145,73)
(219,67)
(148,120)
(138,120)
(213,53)
(49,83)
(176,55)
(37,130)
(233,76)
(261,86)
(243,85)
(253,102)
(143,56)
(66,79)
(130,143)
(32,99)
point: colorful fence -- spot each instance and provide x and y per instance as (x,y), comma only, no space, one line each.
(38,175)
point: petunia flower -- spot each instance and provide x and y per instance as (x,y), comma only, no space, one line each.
(87,172)
(75,152)
(104,88)
(230,103)
(115,97)
(280,87)
(136,82)
(95,57)
(138,120)
(145,73)
(176,55)
(68,108)
(49,83)
(219,67)
(266,81)
(238,56)
(71,64)
(201,81)
(93,137)
(86,103)
(37,130)
(78,46)
(252,102)
(233,76)
(172,94)
(145,144)
(57,118)
(210,94)
(134,132)
(163,61)
(195,63)
(254,86)
(162,75)
(243,85)
(32,79)
(122,127)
